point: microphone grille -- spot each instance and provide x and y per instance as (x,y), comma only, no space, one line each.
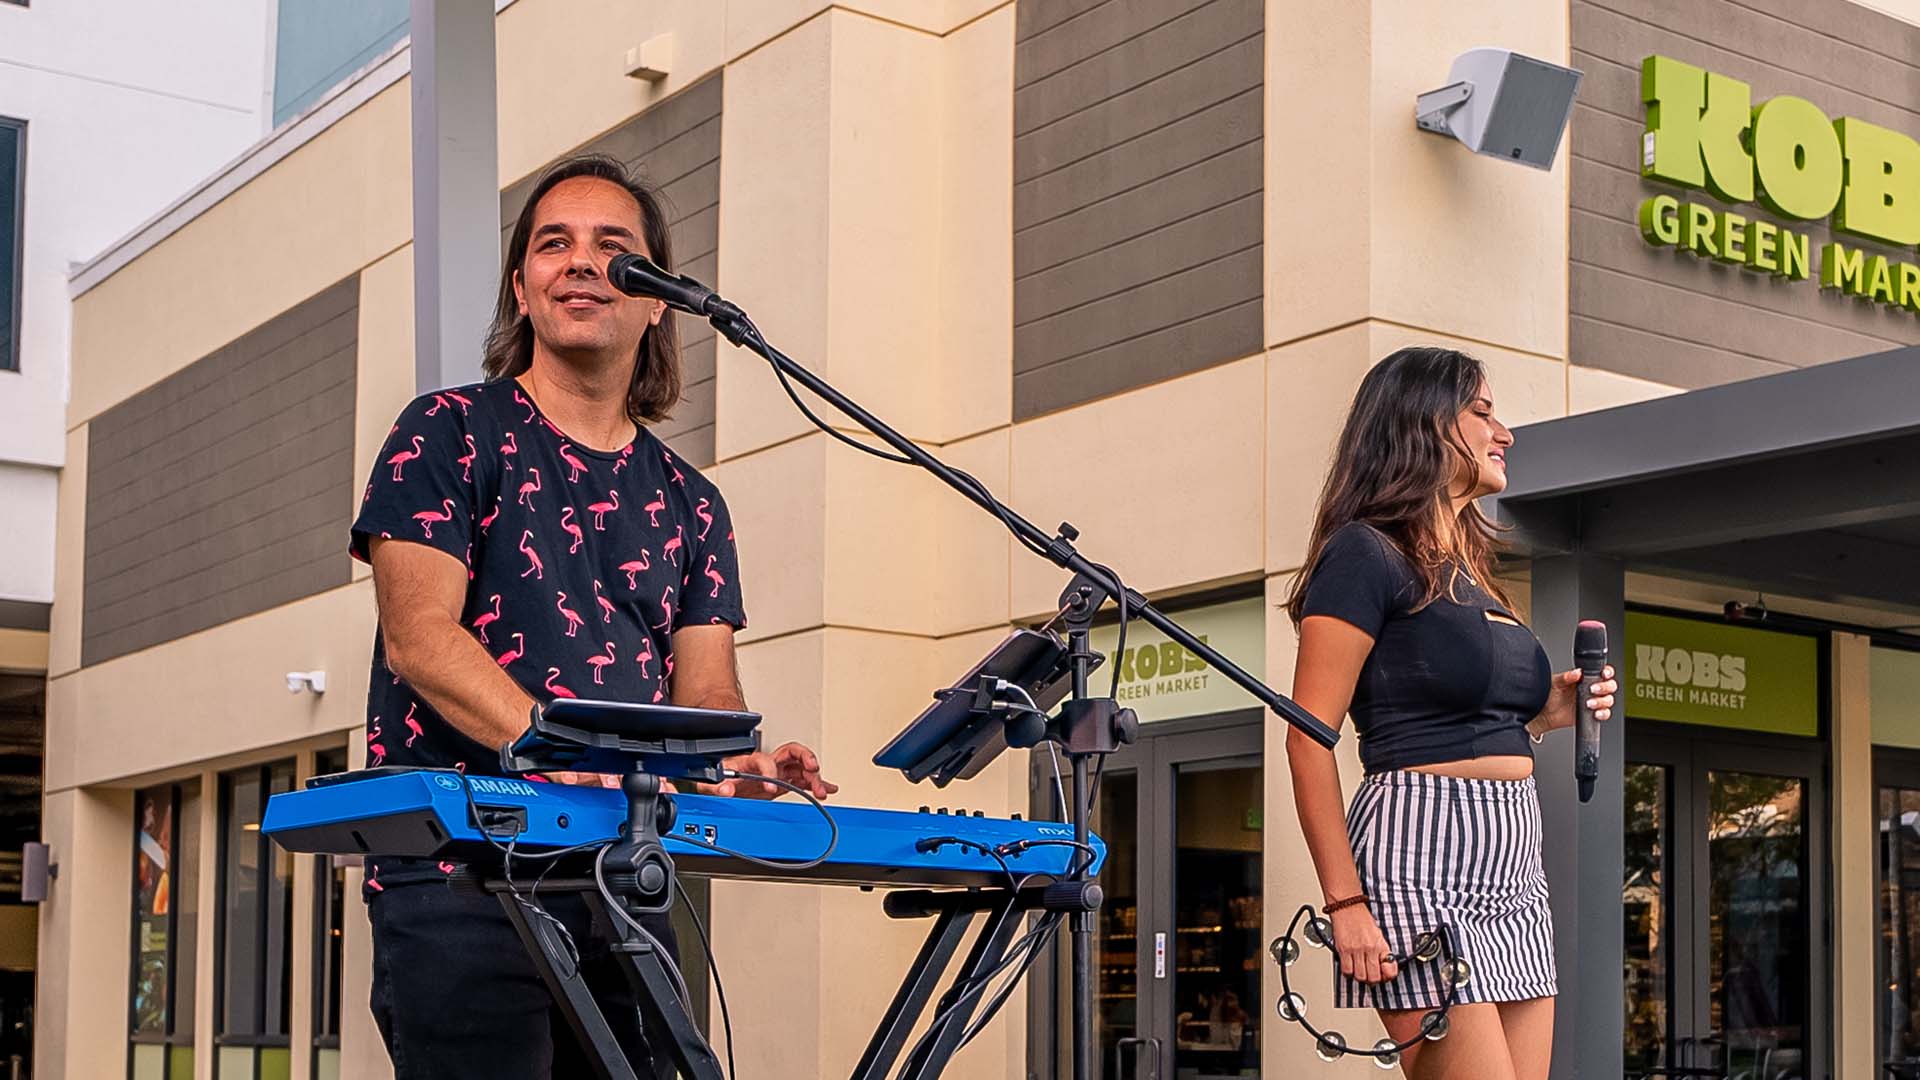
(1590,637)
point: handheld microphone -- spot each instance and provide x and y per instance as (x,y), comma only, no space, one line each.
(636,275)
(1590,654)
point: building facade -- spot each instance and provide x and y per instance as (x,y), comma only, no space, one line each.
(1125,263)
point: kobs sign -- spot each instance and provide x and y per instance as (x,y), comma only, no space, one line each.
(1704,132)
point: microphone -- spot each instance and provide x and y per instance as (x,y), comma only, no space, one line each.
(636,275)
(1590,654)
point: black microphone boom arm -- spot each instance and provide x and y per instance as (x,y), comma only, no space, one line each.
(636,276)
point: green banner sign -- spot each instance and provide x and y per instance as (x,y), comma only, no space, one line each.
(1691,671)
(1160,680)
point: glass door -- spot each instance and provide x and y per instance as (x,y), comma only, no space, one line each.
(1177,947)
(1722,889)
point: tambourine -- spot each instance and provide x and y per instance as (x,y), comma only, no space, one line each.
(1432,947)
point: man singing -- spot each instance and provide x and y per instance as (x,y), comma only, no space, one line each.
(531,539)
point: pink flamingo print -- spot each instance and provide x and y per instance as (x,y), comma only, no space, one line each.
(508,449)
(439,402)
(606,605)
(666,607)
(531,411)
(677,478)
(373,883)
(466,462)
(714,576)
(644,656)
(598,661)
(399,460)
(600,510)
(519,650)
(706,519)
(556,689)
(426,518)
(625,453)
(566,523)
(669,673)
(488,520)
(653,508)
(534,566)
(464,402)
(487,618)
(375,752)
(528,488)
(574,465)
(573,617)
(634,567)
(412,724)
(670,550)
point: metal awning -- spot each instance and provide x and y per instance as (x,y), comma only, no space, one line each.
(1805,482)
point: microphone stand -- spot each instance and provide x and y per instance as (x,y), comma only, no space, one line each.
(1086,726)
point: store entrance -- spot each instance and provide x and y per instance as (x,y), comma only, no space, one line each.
(1177,948)
(1723,886)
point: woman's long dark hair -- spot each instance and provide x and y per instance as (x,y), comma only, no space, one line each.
(1396,458)
(655,387)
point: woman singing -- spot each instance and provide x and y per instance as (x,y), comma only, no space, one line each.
(1402,624)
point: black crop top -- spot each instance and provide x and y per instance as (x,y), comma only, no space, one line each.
(1446,683)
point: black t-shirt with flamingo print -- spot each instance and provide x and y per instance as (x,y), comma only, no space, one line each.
(580,563)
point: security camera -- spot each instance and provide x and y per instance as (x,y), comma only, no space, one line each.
(1502,104)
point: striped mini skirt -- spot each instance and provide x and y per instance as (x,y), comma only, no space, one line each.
(1441,851)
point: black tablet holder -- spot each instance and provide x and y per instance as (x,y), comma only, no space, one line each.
(645,745)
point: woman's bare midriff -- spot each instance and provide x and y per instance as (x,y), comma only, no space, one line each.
(1503,767)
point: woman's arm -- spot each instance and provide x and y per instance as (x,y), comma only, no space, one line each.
(1332,652)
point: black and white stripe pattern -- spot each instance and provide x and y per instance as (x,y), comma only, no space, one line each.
(1465,854)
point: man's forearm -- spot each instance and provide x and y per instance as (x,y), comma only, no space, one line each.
(454,674)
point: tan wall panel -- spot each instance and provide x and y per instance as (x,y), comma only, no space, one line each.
(341,202)
(751,24)
(1590,389)
(24,650)
(1472,246)
(777,125)
(85,934)
(385,381)
(1165,482)
(778,498)
(69,558)
(211,694)
(1319,174)
(559,87)
(1856,935)
(972,384)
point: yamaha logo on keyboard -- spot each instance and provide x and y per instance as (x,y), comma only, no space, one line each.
(490,786)
(448,782)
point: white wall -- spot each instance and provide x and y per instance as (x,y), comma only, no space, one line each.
(128,104)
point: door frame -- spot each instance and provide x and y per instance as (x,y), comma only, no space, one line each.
(1163,745)
(1689,752)
(1893,767)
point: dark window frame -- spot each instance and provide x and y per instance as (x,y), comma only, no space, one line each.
(263,772)
(1893,766)
(12,293)
(329,907)
(170,1036)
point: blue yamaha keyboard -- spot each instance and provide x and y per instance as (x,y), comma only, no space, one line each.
(425,813)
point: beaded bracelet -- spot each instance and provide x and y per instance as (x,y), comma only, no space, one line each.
(1356,898)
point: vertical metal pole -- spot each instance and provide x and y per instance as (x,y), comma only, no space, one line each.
(456,189)
(1081,648)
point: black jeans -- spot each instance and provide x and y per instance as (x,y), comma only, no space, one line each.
(456,995)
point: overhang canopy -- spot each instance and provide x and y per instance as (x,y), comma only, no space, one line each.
(1805,482)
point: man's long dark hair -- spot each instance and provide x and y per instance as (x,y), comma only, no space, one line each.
(1396,458)
(655,387)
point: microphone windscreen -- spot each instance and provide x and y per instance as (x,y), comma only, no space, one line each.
(1590,638)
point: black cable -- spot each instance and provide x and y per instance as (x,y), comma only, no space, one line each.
(833,827)
(977,985)
(726,1019)
(992,1007)
(620,909)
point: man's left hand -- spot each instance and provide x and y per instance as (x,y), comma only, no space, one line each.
(791,762)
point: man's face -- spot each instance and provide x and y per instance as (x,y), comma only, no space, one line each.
(578,227)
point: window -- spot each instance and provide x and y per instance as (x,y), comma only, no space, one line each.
(13,178)
(166,884)
(329,906)
(253,950)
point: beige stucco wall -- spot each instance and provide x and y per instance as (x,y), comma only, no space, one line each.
(866,221)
